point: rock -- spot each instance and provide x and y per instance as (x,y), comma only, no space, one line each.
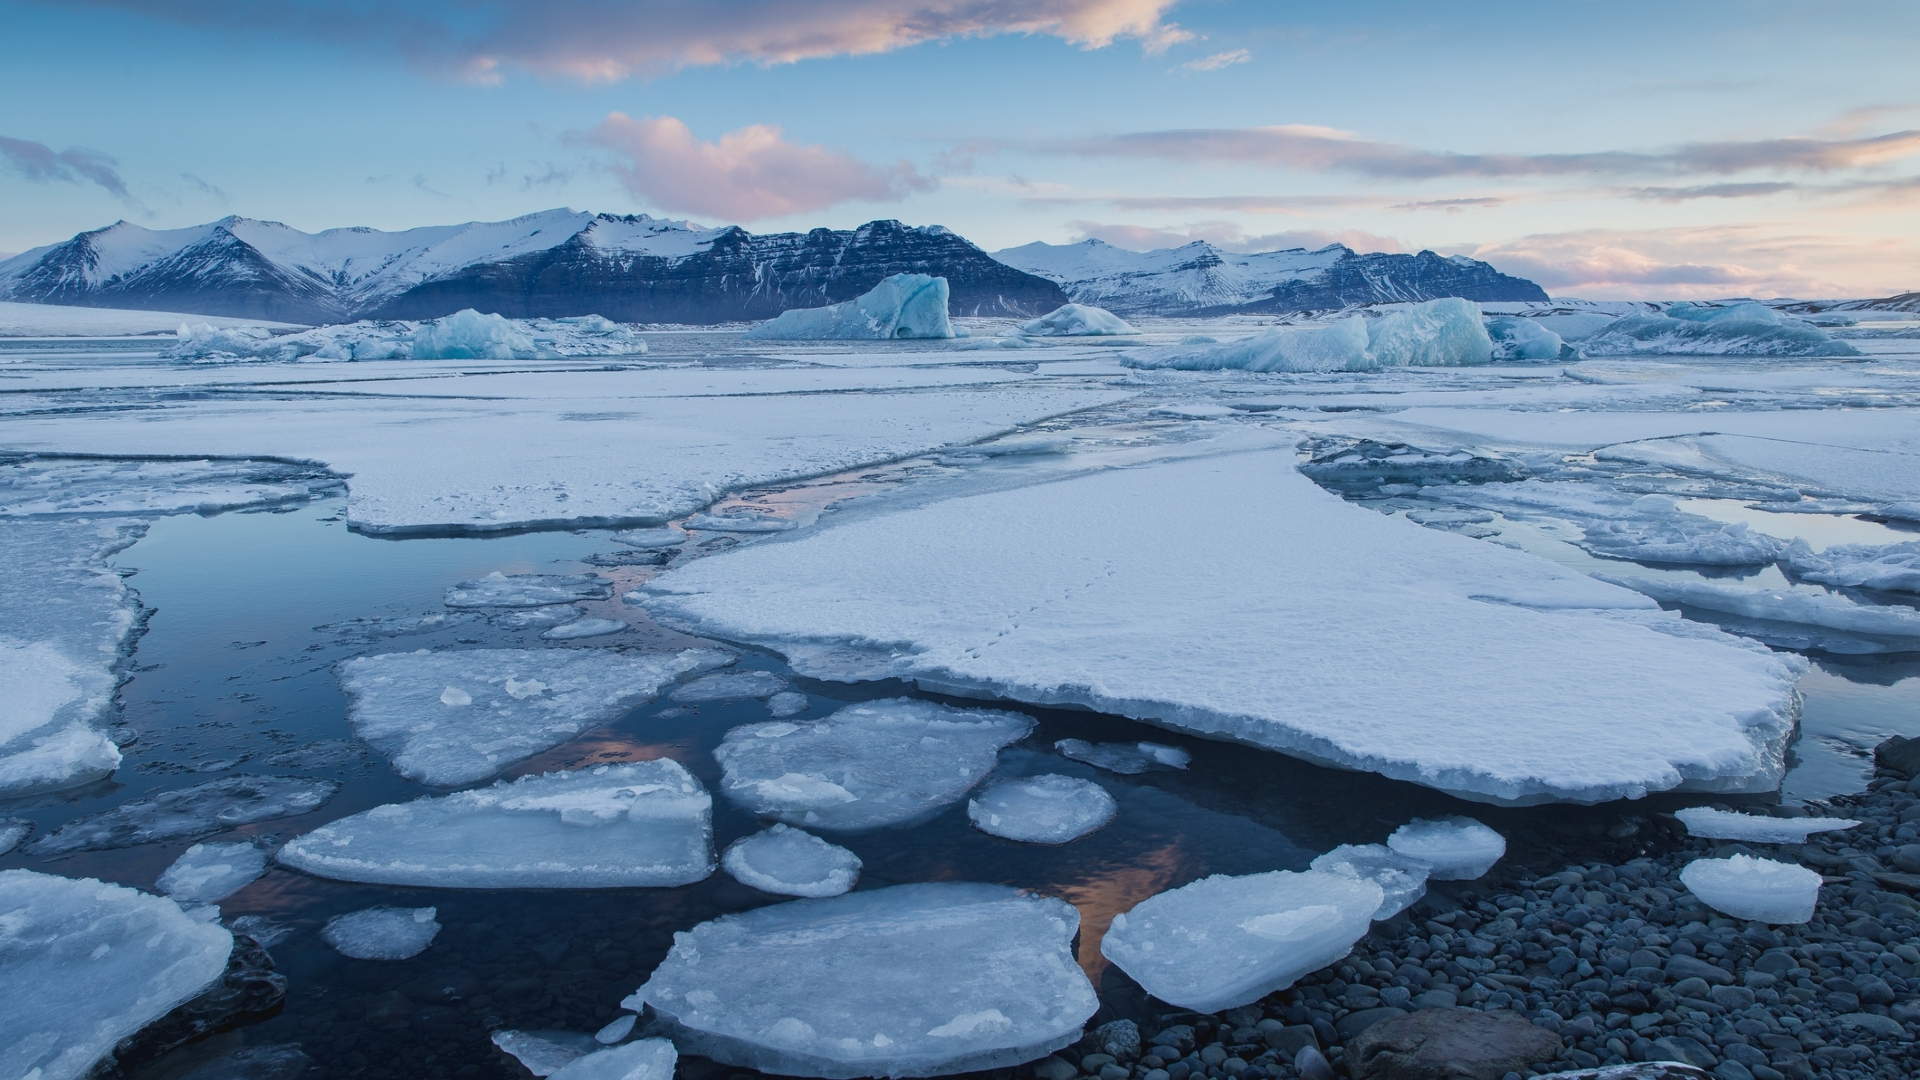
(1879,1025)
(1352,1024)
(1687,967)
(1292,1039)
(1449,1044)
(1682,1048)
(1055,1068)
(1908,858)
(1311,1064)
(1900,755)
(250,991)
(1120,1039)
(1436,999)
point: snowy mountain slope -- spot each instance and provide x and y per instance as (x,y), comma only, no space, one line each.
(1200,279)
(551,264)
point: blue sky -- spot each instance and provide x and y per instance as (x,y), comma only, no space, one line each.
(1607,149)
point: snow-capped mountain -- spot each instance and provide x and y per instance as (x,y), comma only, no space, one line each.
(547,265)
(1200,279)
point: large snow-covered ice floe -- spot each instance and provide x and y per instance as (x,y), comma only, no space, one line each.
(913,980)
(1435,333)
(1299,622)
(902,306)
(1402,878)
(1756,828)
(1077,320)
(891,762)
(1746,887)
(189,813)
(1747,329)
(84,964)
(498,590)
(447,718)
(1049,809)
(206,873)
(1454,849)
(464,335)
(382,933)
(1882,567)
(791,862)
(646,823)
(1223,941)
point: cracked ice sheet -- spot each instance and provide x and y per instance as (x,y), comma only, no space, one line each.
(1292,620)
(573,448)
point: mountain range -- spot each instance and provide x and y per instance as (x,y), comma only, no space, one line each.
(637,268)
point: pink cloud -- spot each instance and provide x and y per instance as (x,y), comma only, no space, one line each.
(1229,236)
(747,174)
(1705,263)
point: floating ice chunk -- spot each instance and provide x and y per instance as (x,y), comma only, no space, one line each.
(1755,828)
(1077,320)
(545,1053)
(261,929)
(536,618)
(382,933)
(1526,339)
(791,862)
(642,824)
(1749,888)
(645,1059)
(583,628)
(1884,567)
(1746,329)
(84,964)
(12,831)
(1684,538)
(902,306)
(1049,809)
(1436,333)
(729,685)
(951,977)
(397,626)
(788,703)
(527,590)
(207,873)
(1225,941)
(650,539)
(616,1029)
(1827,610)
(50,761)
(1402,880)
(888,762)
(399,702)
(1127,759)
(469,335)
(325,754)
(186,813)
(1457,848)
(739,523)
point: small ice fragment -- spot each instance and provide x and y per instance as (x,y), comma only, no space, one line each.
(12,831)
(1749,888)
(261,929)
(522,689)
(791,862)
(1225,941)
(455,696)
(1403,880)
(650,539)
(615,1030)
(729,685)
(1458,848)
(1755,828)
(1049,809)
(1127,759)
(584,628)
(647,1059)
(788,703)
(545,1053)
(188,813)
(535,618)
(206,873)
(382,933)
(740,523)
(527,590)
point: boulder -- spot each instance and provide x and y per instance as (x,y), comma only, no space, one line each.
(1449,1044)
(1898,754)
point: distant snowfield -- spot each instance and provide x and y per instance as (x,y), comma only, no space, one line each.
(53,321)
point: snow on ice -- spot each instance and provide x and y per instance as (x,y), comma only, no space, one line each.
(1127,759)
(1402,879)
(498,590)
(1077,320)
(895,761)
(39,487)
(60,320)
(913,980)
(1828,610)
(209,873)
(1754,828)
(646,823)
(902,306)
(1454,849)
(791,862)
(447,718)
(1746,887)
(12,832)
(1372,643)
(1884,567)
(382,933)
(189,813)
(1049,809)
(1223,941)
(84,964)
(1435,333)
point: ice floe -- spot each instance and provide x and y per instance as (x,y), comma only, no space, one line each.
(1077,320)
(739,523)
(544,1053)
(1223,941)
(87,964)
(1883,567)
(527,590)
(1402,879)
(1756,828)
(1047,809)
(189,813)
(788,703)
(1127,759)
(791,862)
(41,487)
(729,685)
(643,1059)
(902,306)
(1746,887)
(650,539)
(382,933)
(1828,610)
(1646,528)
(399,625)
(535,618)
(584,628)
(447,718)
(913,980)
(1435,333)
(1370,642)
(889,762)
(12,832)
(1747,329)
(646,823)
(464,335)
(1455,849)
(616,1029)
(207,873)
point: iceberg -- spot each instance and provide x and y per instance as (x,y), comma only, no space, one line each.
(791,862)
(1881,567)
(382,933)
(1747,329)
(469,335)
(1127,759)
(189,813)
(1756,828)
(1077,320)
(447,718)
(643,824)
(896,761)
(728,686)
(464,335)
(209,873)
(1223,941)
(1402,879)
(913,980)
(1435,333)
(527,590)
(1049,809)
(902,306)
(1526,339)
(1455,849)
(1759,889)
(84,964)
(584,628)
(642,1059)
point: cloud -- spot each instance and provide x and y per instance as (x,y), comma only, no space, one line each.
(206,188)
(1452,206)
(39,162)
(1227,235)
(1216,61)
(748,174)
(601,40)
(1705,263)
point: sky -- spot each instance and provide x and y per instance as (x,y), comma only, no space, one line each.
(1617,149)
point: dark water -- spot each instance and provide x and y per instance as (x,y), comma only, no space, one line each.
(232,672)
